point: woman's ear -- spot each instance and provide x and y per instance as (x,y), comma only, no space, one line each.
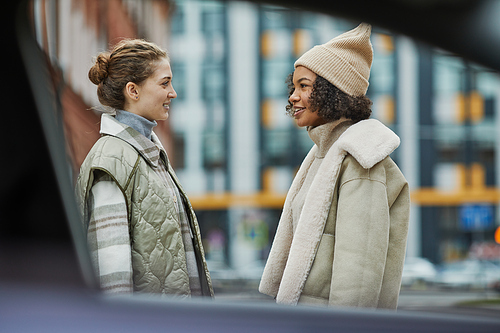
(132,91)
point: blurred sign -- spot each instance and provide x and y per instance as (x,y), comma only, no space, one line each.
(254,231)
(476,217)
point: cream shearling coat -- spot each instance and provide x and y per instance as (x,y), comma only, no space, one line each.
(349,244)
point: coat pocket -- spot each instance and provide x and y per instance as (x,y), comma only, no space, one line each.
(320,276)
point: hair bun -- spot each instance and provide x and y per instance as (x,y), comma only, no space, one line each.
(99,71)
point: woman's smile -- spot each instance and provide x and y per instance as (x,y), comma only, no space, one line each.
(298,111)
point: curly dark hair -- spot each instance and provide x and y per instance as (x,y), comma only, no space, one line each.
(331,103)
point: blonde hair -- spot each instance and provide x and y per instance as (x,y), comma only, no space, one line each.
(130,60)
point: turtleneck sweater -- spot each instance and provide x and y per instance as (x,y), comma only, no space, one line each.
(324,136)
(140,124)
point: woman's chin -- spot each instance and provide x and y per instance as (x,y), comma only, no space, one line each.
(163,117)
(300,123)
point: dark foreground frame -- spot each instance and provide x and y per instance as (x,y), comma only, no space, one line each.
(45,277)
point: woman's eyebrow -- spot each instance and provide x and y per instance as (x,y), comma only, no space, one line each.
(303,79)
(165,78)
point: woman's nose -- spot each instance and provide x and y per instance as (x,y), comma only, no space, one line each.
(172,94)
(293,97)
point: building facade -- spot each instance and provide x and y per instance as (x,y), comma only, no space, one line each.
(239,150)
(234,149)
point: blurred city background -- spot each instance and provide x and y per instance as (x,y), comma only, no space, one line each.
(236,152)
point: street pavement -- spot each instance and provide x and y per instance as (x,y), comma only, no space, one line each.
(450,302)
(428,300)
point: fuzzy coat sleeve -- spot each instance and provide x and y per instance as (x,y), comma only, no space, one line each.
(362,236)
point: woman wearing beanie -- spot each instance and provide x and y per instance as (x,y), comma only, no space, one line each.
(141,230)
(341,238)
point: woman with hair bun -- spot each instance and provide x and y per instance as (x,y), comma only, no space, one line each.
(142,232)
(341,239)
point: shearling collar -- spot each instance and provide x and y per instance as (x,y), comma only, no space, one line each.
(292,254)
(325,135)
(369,142)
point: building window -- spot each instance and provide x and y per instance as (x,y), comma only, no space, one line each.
(276,18)
(213,82)
(179,79)
(214,153)
(179,160)
(212,19)
(178,20)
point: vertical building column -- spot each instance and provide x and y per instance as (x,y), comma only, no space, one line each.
(408,120)
(243,153)
(188,114)
(430,231)
(243,97)
(497,146)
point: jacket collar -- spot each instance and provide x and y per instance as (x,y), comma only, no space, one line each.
(149,149)
(368,141)
(325,135)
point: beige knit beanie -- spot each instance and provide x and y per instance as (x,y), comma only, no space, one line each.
(344,61)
